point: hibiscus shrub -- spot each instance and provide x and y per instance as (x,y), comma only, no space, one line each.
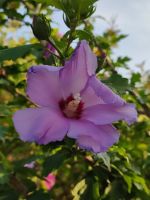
(59,95)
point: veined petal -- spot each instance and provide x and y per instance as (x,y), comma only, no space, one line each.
(43,86)
(104,92)
(89,97)
(109,113)
(77,70)
(48,67)
(91,136)
(89,143)
(41,125)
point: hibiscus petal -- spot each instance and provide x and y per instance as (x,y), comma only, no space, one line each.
(43,85)
(93,137)
(89,97)
(49,181)
(108,113)
(104,92)
(77,70)
(41,125)
(88,143)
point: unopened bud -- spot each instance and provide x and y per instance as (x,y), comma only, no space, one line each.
(41,27)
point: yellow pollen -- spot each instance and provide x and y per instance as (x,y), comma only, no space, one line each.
(73,105)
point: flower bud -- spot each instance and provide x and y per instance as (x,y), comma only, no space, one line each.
(76,11)
(41,27)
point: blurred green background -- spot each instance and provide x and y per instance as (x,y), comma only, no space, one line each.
(123,173)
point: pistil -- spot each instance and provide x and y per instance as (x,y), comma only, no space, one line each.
(72,107)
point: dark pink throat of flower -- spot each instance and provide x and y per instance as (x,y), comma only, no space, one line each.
(72,107)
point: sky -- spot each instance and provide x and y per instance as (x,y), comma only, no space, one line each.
(132,18)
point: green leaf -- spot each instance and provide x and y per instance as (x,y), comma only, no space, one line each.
(2,2)
(82,34)
(106,159)
(116,191)
(86,189)
(7,193)
(118,83)
(121,151)
(79,189)
(54,3)
(3,130)
(40,194)
(136,77)
(128,180)
(140,183)
(4,178)
(92,189)
(16,52)
(55,161)
(6,110)
(122,62)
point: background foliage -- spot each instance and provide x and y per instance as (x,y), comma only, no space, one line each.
(121,174)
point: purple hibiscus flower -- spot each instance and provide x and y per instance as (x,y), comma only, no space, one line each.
(72,102)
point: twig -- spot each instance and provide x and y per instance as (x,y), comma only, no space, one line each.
(57,49)
(69,39)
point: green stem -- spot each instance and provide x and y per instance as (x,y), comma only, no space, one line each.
(70,39)
(61,57)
